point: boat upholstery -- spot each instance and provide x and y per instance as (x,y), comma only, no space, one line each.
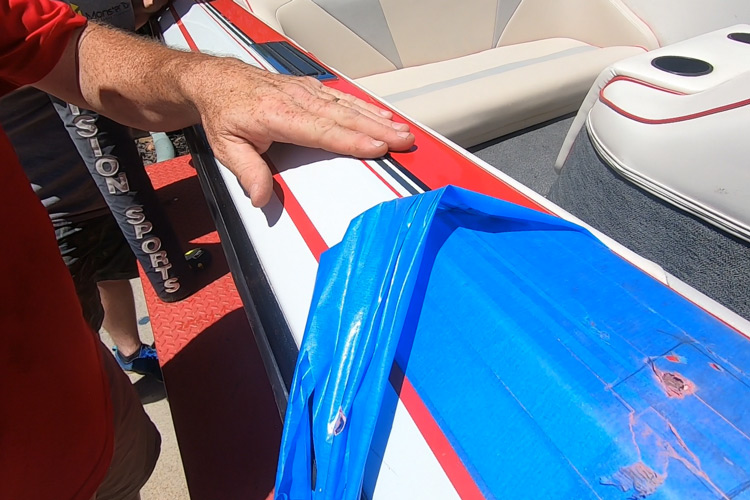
(471,70)
(680,138)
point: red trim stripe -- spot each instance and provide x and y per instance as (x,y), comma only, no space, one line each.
(443,450)
(261,32)
(300,219)
(622,78)
(183,29)
(662,121)
(388,184)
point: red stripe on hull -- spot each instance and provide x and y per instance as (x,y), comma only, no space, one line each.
(446,455)
(393,190)
(249,24)
(302,222)
(183,30)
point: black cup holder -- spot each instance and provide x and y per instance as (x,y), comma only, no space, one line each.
(683,66)
(739,37)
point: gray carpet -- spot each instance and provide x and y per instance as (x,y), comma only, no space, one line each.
(528,156)
(698,253)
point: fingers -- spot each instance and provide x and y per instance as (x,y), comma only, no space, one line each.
(347,133)
(343,125)
(350,100)
(368,110)
(242,159)
(317,89)
(375,116)
(395,135)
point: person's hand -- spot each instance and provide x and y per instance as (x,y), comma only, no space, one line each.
(244,110)
(150,6)
(143,9)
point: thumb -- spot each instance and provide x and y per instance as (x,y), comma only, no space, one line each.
(244,161)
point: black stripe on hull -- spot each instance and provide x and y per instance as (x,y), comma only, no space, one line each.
(413,178)
(397,179)
(228,24)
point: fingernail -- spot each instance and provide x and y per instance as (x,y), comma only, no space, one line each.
(403,135)
(377,144)
(400,126)
(254,191)
(386,113)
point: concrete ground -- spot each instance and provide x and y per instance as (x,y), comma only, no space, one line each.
(168,480)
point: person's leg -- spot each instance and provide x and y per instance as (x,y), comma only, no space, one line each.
(115,267)
(119,315)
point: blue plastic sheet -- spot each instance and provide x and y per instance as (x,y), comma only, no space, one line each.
(362,294)
(552,367)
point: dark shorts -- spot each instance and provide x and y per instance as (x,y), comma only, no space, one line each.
(95,250)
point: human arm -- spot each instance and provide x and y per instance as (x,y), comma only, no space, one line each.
(243,109)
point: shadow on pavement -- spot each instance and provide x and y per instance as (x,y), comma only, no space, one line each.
(150,390)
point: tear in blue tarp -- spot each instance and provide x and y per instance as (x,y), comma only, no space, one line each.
(362,293)
(552,367)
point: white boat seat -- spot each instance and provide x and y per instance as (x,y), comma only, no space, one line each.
(479,97)
(471,70)
(681,138)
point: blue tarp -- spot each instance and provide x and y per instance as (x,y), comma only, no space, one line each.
(554,368)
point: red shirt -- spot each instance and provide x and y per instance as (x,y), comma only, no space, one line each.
(55,409)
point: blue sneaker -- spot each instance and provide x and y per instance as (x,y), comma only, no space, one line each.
(144,361)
